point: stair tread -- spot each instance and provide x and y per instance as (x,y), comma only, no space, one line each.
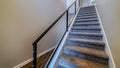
(87,33)
(82,63)
(86,28)
(87,41)
(87,19)
(85,16)
(87,23)
(87,13)
(90,51)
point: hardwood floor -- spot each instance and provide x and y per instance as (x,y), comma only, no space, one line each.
(41,61)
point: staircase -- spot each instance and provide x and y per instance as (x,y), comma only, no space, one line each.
(84,47)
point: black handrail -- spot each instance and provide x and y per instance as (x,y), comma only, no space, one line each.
(45,32)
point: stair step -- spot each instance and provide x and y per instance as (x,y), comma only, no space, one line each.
(96,44)
(85,16)
(86,53)
(89,51)
(86,23)
(85,28)
(74,62)
(86,35)
(82,20)
(88,17)
(87,41)
(86,12)
(82,15)
(87,9)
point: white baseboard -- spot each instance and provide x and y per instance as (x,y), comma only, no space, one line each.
(30,60)
(107,48)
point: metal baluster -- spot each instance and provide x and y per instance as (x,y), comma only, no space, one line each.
(67,15)
(34,56)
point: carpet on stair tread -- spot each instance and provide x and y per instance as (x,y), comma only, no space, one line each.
(91,51)
(72,62)
(87,41)
(96,36)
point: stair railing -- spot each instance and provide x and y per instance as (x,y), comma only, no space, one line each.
(46,31)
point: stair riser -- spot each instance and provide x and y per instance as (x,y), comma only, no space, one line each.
(86,36)
(85,18)
(66,64)
(87,10)
(86,25)
(88,22)
(89,18)
(85,44)
(81,11)
(85,56)
(87,14)
(90,31)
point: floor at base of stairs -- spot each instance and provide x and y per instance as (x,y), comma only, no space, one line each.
(41,60)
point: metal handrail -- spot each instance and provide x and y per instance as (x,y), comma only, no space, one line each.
(45,32)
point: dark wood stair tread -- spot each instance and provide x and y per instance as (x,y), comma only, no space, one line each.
(82,63)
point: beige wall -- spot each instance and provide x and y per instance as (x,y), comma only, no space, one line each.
(21,22)
(109,11)
(85,3)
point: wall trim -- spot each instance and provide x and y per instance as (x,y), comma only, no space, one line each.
(30,60)
(107,48)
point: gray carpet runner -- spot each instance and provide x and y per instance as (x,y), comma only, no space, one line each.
(84,47)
